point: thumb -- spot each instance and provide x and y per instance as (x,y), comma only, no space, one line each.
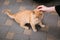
(40,6)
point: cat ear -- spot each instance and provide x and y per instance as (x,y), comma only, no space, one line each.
(36,10)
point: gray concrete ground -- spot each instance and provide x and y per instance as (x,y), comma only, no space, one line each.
(10,30)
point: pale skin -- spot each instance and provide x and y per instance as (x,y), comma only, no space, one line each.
(46,9)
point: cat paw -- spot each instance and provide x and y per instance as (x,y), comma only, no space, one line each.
(35,30)
(43,26)
(26,28)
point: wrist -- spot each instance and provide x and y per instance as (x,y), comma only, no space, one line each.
(52,9)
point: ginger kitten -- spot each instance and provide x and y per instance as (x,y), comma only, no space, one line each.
(27,16)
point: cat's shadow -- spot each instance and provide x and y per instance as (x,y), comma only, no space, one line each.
(37,26)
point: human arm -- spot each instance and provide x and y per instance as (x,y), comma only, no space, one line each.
(49,9)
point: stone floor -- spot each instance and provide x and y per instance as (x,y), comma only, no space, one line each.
(10,30)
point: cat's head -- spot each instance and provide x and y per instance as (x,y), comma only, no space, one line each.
(37,12)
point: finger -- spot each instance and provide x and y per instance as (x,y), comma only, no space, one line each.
(40,6)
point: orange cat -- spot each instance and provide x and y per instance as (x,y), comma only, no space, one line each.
(27,16)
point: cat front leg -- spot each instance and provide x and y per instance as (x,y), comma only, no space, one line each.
(41,24)
(33,27)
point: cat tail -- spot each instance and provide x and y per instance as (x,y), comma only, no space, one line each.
(8,12)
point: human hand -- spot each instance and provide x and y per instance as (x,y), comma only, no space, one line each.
(46,9)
